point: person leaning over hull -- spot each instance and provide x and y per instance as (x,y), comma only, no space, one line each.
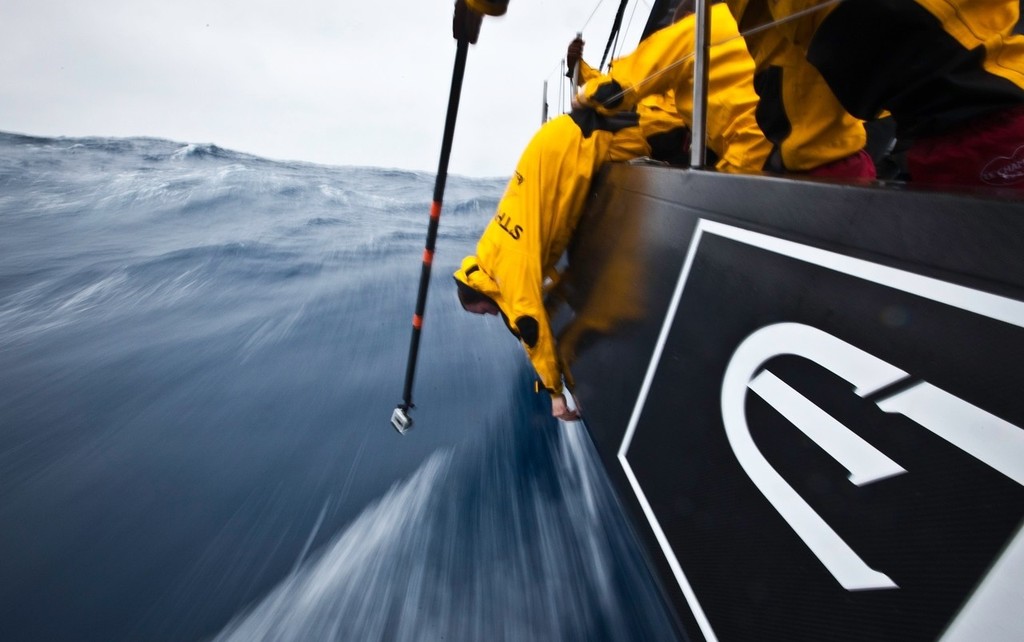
(950,72)
(664,62)
(532,227)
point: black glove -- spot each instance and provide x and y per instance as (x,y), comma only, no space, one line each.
(573,55)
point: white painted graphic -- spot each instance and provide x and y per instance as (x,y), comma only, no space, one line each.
(865,463)
(993,609)
(995,442)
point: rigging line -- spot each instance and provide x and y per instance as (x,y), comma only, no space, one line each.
(561,89)
(560,66)
(755,30)
(614,35)
(629,25)
(581,30)
(592,14)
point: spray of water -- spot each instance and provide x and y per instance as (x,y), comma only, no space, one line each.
(521,539)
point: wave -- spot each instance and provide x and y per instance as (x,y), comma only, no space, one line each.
(158,150)
(8,138)
(126,173)
(520,539)
(194,339)
(208,150)
(338,596)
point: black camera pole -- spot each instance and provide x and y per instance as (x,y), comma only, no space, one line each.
(400,418)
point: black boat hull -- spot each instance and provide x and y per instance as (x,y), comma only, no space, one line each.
(809,395)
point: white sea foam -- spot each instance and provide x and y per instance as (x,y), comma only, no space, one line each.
(346,591)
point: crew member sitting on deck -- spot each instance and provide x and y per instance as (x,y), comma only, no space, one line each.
(951,73)
(809,129)
(664,62)
(533,225)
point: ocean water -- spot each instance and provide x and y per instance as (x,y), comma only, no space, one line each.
(199,354)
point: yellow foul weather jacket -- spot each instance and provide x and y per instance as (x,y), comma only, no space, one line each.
(798,111)
(664,61)
(535,220)
(932,64)
(660,121)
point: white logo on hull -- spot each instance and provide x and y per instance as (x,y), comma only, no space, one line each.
(992,610)
(988,438)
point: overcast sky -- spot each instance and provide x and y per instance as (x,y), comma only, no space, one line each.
(337,82)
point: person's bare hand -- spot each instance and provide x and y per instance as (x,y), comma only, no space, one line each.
(573,55)
(560,409)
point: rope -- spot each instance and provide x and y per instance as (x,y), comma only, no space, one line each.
(629,25)
(616,25)
(592,14)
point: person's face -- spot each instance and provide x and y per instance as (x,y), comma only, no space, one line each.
(482,307)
